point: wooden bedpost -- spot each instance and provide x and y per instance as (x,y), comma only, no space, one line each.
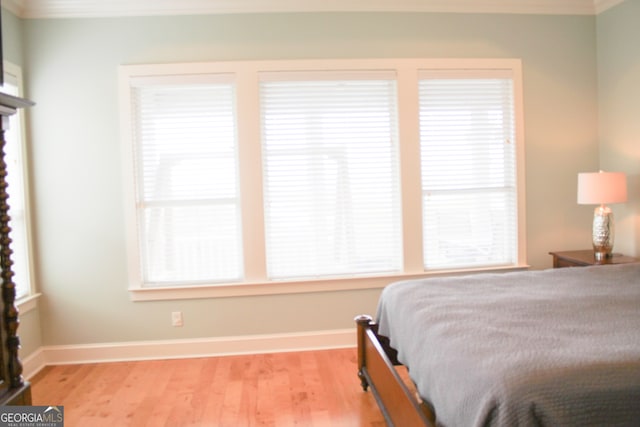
(364,322)
(13,389)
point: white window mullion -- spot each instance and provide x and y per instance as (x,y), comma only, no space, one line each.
(408,121)
(250,175)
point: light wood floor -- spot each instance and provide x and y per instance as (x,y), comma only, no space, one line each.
(315,388)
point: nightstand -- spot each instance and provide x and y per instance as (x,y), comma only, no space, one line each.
(584,258)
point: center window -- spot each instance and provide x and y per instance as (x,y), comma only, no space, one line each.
(330,162)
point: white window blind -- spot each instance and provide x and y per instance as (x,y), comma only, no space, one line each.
(468,161)
(187,180)
(331,191)
(16,189)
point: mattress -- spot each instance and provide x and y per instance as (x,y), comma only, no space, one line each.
(555,347)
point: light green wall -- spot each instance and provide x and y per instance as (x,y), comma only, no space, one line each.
(11,37)
(76,155)
(618,32)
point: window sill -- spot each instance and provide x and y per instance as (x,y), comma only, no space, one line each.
(295,287)
(28,303)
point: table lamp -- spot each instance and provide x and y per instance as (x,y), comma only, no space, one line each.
(600,188)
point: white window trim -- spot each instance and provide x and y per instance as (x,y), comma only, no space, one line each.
(251,183)
(27,302)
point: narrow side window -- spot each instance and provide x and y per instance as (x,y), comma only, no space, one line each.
(15,157)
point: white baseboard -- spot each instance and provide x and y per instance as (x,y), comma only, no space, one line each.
(187,348)
(33,363)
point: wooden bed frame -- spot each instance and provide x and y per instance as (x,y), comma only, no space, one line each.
(376,369)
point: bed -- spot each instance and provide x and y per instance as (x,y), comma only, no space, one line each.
(557,347)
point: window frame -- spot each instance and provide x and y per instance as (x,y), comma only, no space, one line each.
(250,164)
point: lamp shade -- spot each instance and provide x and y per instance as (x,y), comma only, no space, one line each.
(599,188)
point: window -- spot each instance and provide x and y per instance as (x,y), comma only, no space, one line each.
(187,183)
(297,176)
(16,179)
(468,162)
(331,196)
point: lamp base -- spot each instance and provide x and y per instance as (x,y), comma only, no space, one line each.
(601,256)
(602,232)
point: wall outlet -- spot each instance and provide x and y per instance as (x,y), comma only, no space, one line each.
(176,318)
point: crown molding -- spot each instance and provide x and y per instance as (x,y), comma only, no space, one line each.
(602,5)
(14,6)
(32,9)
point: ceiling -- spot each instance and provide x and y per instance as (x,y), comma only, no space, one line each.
(103,8)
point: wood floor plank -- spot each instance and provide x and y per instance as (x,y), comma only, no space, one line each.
(216,389)
(314,388)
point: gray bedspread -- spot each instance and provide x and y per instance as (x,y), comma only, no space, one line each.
(556,347)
